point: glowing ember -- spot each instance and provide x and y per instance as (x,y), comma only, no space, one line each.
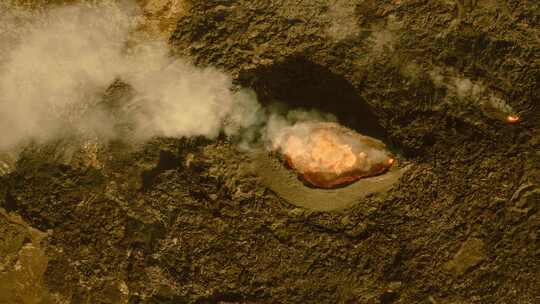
(327,155)
(512,119)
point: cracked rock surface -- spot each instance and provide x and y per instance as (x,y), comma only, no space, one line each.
(188,221)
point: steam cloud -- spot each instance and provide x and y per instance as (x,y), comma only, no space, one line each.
(55,66)
(472,91)
(279,123)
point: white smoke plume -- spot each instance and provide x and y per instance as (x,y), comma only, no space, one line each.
(278,123)
(56,64)
(466,90)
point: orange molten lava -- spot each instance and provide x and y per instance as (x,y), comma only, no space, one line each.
(327,155)
(512,119)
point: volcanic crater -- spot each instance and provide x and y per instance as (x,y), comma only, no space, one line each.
(192,219)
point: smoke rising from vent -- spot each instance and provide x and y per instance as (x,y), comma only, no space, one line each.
(471,91)
(55,66)
(59,67)
(277,123)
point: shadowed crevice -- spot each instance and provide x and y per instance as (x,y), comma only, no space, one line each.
(300,83)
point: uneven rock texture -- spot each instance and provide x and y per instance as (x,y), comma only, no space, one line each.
(23,262)
(187,220)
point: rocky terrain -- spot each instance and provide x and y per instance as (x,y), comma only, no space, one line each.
(188,220)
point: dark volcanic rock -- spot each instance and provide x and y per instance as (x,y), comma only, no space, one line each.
(185,221)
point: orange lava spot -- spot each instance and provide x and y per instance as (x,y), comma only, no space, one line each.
(327,155)
(512,119)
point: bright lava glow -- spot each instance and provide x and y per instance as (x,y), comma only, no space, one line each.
(512,119)
(327,155)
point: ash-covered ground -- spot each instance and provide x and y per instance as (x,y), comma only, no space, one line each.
(186,219)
